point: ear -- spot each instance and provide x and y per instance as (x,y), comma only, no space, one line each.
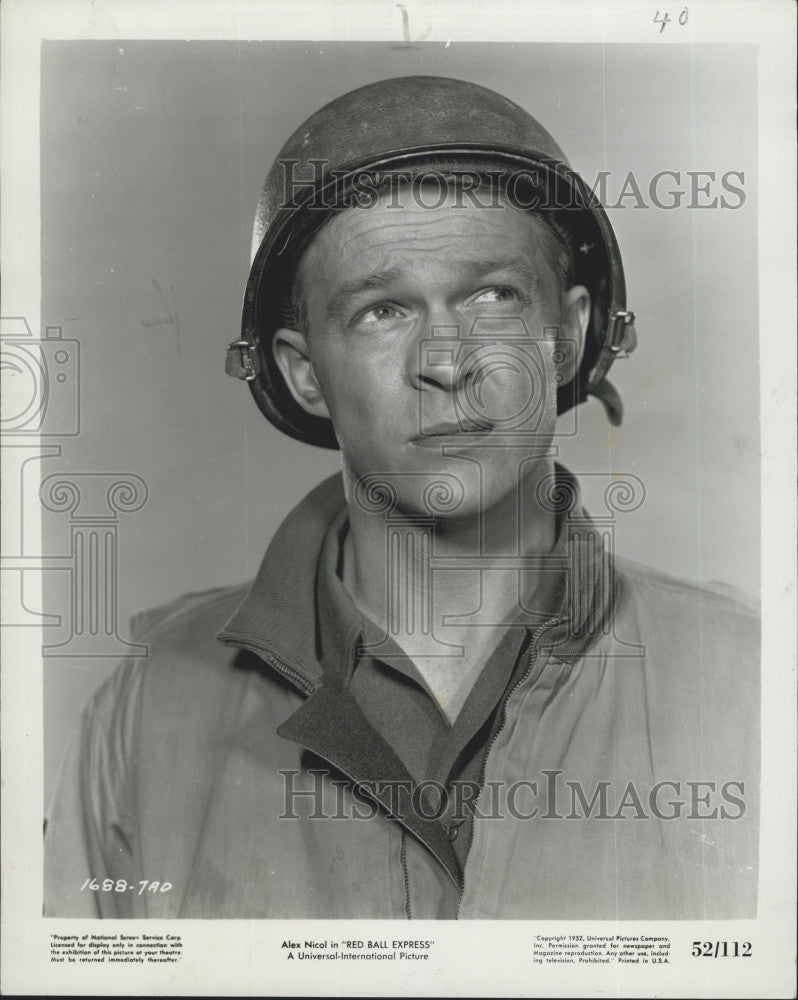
(574,320)
(290,350)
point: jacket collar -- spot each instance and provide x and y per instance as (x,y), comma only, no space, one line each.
(278,618)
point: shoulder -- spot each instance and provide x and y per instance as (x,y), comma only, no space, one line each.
(711,601)
(187,693)
(177,655)
(701,640)
(199,614)
(697,653)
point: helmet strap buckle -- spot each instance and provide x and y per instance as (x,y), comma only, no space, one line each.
(621,337)
(242,361)
(619,342)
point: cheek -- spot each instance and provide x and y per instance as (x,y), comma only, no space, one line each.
(547,354)
(362,385)
(518,386)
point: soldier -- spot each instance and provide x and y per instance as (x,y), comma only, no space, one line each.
(444,695)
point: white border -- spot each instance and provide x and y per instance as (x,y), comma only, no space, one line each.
(239,957)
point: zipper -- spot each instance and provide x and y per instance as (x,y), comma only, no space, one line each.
(293,675)
(405,873)
(297,679)
(533,655)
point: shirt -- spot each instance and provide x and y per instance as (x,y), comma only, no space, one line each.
(398,704)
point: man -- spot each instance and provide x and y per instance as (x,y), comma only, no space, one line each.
(443,695)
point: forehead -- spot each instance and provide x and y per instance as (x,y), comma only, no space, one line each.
(420,223)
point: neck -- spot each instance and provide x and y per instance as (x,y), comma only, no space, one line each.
(390,572)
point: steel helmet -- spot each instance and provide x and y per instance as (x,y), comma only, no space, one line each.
(404,124)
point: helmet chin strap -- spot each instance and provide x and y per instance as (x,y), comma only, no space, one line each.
(608,394)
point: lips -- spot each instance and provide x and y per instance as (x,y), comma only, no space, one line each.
(454,428)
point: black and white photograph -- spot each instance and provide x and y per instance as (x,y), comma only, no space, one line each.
(398,453)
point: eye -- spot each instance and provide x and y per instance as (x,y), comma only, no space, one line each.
(383,312)
(498,293)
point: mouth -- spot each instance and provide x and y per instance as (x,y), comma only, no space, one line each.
(453,431)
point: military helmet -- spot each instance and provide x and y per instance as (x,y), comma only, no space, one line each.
(406,124)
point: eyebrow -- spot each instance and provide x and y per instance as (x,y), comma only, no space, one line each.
(382,279)
(356,286)
(514,265)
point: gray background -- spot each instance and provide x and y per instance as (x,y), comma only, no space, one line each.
(153,154)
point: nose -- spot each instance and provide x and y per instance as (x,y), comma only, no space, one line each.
(441,352)
(440,361)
